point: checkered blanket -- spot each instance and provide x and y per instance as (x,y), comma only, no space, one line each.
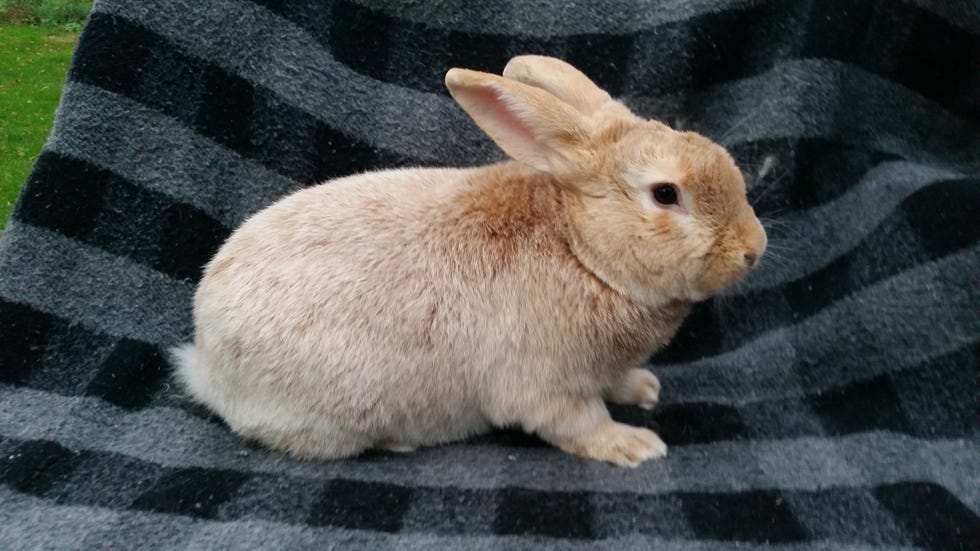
(830,401)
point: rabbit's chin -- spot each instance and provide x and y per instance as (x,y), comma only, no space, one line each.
(715,289)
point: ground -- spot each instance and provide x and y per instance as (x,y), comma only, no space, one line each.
(33,64)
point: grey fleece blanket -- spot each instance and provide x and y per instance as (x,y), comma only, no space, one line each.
(828,402)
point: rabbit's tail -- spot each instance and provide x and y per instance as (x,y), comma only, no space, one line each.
(189,371)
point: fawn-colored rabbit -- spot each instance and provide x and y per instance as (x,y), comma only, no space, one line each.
(410,307)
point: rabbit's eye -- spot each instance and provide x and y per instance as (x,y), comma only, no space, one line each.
(665,194)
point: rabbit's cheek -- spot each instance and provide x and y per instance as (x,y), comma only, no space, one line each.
(723,265)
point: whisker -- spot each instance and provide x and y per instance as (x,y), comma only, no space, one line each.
(726,296)
(780,242)
(772,214)
(781,226)
(773,259)
(777,252)
(741,122)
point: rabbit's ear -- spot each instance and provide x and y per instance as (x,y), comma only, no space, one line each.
(528,123)
(560,79)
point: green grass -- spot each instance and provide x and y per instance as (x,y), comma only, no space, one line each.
(67,13)
(33,64)
(36,41)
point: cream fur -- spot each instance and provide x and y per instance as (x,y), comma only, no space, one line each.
(411,307)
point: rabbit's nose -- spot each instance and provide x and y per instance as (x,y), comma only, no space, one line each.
(754,243)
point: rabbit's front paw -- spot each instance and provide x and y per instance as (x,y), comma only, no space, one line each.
(620,444)
(637,387)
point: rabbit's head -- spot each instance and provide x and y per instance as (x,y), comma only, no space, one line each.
(657,214)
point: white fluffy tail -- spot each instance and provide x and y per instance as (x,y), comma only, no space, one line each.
(187,370)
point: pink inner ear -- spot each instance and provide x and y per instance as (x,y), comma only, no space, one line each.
(497,109)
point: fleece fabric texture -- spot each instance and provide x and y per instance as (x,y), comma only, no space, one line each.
(830,401)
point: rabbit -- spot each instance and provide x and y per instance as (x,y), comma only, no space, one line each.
(412,307)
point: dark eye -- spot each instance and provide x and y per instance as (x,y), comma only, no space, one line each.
(665,194)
